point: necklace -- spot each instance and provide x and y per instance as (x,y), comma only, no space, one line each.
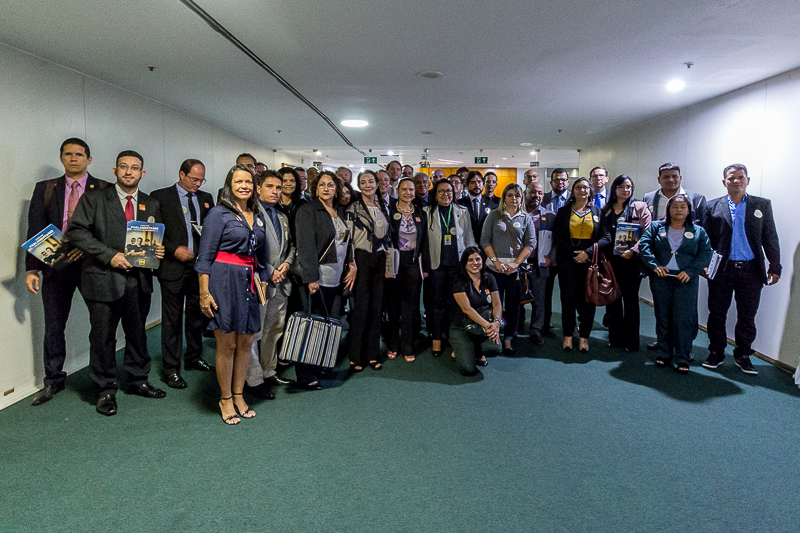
(405,212)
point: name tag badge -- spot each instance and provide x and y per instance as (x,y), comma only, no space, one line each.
(185,210)
(258,221)
(142,207)
(517,225)
(689,235)
(489,298)
(757,213)
(397,216)
(448,240)
(379,223)
(453,231)
(488,210)
(151,219)
(596,218)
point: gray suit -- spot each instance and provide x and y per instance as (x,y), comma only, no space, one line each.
(698,204)
(273,315)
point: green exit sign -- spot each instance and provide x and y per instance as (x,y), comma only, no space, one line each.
(370,160)
(481,160)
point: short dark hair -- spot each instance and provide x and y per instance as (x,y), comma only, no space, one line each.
(129,153)
(472,174)
(296,195)
(187,165)
(735,166)
(558,170)
(490,172)
(572,191)
(680,198)
(79,142)
(245,154)
(268,174)
(226,198)
(462,169)
(399,164)
(668,166)
(598,168)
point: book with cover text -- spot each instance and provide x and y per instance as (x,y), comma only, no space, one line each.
(50,247)
(141,239)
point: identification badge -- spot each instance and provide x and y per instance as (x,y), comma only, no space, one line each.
(448,240)
(689,235)
(453,231)
(206,204)
(379,223)
(488,210)
(151,219)
(185,210)
(397,216)
(596,219)
(142,207)
(517,225)
(258,221)
(489,298)
(417,219)
(757,213)
(662,234)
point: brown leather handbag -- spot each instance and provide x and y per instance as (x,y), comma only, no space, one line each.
(601,285)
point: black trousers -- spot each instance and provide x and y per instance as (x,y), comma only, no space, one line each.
(173,295)
(325,302)
(509,288)
(739,280)
(58,289)
(623,315)
(441,283)
(365,317)
(401,300)
(548,296)
(573,298)
(132,310)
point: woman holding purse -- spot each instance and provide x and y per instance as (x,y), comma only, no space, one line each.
(508,238)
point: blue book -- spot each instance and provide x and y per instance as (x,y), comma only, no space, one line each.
(626,237)
(50,247)
(141,239)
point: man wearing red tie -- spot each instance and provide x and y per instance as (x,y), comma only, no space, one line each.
(53,202)
(115,291)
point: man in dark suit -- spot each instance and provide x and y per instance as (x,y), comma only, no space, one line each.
(385,188)
(552,202)
(183,206)
(598,176)
(53,202)
(112,288)
(422,187)
(669,177)
(489,186)
(477,205)
(742,230)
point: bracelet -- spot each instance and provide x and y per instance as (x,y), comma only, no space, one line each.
(206,296)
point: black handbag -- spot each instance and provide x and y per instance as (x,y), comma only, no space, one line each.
(524,276)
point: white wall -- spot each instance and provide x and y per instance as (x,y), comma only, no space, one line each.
(42,105)
(759,126)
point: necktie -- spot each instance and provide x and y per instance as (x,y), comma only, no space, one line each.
(276,223)
(559,202)
(597,200)
(129,214)
(73,201)
(476,208)
(193,219)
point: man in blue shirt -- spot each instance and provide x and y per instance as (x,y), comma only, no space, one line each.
(742,230)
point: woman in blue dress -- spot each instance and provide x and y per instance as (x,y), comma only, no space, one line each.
(233,247)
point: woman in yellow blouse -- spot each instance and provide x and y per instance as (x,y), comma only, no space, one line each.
(578,226)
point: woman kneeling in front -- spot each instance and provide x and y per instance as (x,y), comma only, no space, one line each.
(477,302)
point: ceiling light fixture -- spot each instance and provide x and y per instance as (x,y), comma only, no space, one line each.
(675,85)
(450,161)
(354,123)
(430,74)
(497,166)
(526,144)
(389,153)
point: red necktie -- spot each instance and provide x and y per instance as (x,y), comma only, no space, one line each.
(73,201)
(129,209)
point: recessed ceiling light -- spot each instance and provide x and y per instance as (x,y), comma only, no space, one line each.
(318,152)
(503,158)
(497,166)
(430,74)
(354,123)
(526,144)
(675,85)
(427,132)
(389,153)
(350,166)
(450,161)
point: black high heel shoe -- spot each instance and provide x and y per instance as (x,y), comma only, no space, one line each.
(229,420)
(247,413)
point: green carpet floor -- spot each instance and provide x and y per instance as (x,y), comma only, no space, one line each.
(543,441)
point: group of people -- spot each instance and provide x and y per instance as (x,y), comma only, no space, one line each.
(315,243)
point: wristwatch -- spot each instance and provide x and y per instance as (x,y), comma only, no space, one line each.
(492,259)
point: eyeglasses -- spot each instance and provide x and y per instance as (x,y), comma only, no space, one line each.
(123,167)
(326,186)
(562,180)
(197,180)
(444,191)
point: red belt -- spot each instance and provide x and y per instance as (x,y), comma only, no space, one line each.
(241,260)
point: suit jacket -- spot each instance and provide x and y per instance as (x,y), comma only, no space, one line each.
(692,256)
(477,220)
(562,239)
(635,212)
(316,230)
(759,227)
(698,204)
(464,236)
(41,216)
(422,250)
(548,202)
(277,254)
(175,234)
(98,228)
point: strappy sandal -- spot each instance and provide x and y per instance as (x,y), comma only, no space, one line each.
(247,413)
(230,420)
(375,365)
(391,355)
(355,368)
(682,368)
(410,358)
(663,361)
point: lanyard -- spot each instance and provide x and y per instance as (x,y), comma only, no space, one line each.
(449,216)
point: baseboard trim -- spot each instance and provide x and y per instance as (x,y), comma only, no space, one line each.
(779,364)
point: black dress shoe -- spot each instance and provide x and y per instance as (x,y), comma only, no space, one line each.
(278,381)
(536,338)
(261,390)
(653,346)
(107,404)
(146,390)
(310,386)
(199,365)
(47,393)
(175,381)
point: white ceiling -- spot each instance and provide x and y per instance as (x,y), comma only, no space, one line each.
(514,70)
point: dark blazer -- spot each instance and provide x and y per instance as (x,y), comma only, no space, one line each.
(98,228)
(175,228)
(760,231)
(315,232)
(692,256)
(421,223)
(698,204)
(561,236)
(547,201)
(40,215)
(487,206)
